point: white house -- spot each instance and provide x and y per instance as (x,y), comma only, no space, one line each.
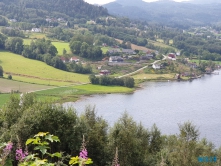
(156,66)
(74,59)
(38,30)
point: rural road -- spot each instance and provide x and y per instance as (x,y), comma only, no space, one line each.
(164,57)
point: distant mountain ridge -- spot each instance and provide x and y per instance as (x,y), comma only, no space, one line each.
(168,12)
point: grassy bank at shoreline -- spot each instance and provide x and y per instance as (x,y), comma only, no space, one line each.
(73,93)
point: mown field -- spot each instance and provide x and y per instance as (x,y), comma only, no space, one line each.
(154,76)
(61,46)
(73,93)
(159,43)
(11,85)
(32,71)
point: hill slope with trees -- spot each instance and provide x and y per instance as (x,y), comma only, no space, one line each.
(36,11)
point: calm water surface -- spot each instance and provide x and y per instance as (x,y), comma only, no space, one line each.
(166,104)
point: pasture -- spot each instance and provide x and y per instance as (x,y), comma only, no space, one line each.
(36,35)
(154,76)
(73,93)
(159,43)
(33,71)
(61,46)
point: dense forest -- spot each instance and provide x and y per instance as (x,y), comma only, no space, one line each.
(137,145)
(37,11)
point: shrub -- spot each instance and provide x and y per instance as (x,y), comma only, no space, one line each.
(10,77)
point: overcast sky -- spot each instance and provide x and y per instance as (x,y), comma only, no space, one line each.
(108,1)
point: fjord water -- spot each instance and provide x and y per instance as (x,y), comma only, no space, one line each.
(166,104)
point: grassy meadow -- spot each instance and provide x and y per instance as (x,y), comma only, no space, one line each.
(62,45)
(105,49)
(154,76)
(32,71)
(36,35)
(73,93)
(3,99)
(160,43)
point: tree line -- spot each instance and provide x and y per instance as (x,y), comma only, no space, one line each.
(107,81)
(137,145)
(12,32)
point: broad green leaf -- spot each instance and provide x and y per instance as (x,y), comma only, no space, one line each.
(30,141)
(56,139)
(74,160)
(89,161)
(52,138)
(57,154)
(41,134)
(42,148)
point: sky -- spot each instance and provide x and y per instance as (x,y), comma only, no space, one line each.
(101,2)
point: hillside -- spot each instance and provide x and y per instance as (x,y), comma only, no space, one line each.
(167,12)
(38,72)
(37,11)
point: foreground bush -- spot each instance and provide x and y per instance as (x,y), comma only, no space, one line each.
(41,153)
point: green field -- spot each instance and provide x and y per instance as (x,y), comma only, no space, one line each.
(27,41)
(105,49)
(62,45)
(154,76)
(74,92)
(36,35)
(32,71)
(3,99)
(59,45)
(160,43)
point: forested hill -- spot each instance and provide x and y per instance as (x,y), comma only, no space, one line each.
(167,12)
(32,10)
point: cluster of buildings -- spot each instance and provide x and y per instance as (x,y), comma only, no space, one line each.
(48,19)
(119,55)
(67,60)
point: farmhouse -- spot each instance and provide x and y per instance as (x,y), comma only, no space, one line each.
(112,51)
(64,59)
(104,72)
(156,66)
(74,59)
(38,30)
(116,59)
(172,56)
(146,57)
(128,51)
